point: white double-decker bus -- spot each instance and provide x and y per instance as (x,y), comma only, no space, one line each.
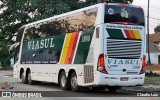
(98,46)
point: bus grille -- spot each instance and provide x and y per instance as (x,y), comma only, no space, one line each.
(124,49)
(88,74)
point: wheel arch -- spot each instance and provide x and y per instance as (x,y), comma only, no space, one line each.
(70,73)
(27,71)
(21,71)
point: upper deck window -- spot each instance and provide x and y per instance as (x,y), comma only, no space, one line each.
(124,14)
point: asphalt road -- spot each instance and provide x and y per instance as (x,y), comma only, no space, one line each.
(19,86)
(55,91)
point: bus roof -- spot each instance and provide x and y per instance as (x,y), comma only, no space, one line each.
(64,14)
(75,11)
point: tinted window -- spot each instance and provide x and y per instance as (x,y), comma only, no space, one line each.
(41,57)
(19,34)
(132,15)
(67,24)
(43,41)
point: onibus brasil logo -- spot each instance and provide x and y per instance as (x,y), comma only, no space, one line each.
(6,86)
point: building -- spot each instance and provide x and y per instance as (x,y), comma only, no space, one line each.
(154,48)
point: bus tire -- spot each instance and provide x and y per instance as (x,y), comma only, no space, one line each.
(30,81)
(73,83)
(23,78)
(63,81)
(113,88)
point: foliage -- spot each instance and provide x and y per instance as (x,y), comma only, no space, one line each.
(4,54)
(157,29)
(20,12)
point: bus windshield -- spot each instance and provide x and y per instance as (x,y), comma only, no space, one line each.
(124,15)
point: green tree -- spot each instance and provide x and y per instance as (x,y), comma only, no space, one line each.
(20,12)
(26,11)
(157,29)
(4,54)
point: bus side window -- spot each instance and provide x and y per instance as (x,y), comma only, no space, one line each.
(18,39)
(50,52)
(58,53)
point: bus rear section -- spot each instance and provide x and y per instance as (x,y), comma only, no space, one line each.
(123,59)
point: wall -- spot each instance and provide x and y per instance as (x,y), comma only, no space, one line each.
(153,57)
(156,58)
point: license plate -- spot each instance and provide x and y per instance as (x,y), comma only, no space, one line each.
(124,78)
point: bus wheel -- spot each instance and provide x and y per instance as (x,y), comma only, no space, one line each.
(23,78)
(73,82)
(113,88)
(63,81)
(30,81)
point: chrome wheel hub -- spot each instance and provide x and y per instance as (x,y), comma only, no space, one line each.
(63,81)
(74,82)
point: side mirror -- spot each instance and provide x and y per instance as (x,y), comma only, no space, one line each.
(11,49)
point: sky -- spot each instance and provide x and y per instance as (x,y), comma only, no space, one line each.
(154,12)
